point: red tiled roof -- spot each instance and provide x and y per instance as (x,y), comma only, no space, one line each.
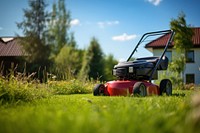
(196,37)
(10,48)
(161,41)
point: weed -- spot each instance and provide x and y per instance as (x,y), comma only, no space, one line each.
(70,87)
(16,89)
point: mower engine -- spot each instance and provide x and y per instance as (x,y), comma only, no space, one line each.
(139,69)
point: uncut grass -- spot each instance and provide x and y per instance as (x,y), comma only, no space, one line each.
(86,113)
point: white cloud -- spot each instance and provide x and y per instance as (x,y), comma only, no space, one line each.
(75,22)
(124,37)
(103,24)
(155,2)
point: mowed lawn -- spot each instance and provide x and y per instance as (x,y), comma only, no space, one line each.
(85,113)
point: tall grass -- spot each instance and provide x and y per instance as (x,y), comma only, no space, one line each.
(89,114)
(73,86)
(21,88)
(24,88)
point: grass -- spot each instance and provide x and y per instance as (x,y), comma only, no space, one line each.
(17,89)
(88,114)
(13,90)
(70,87)
(28,106)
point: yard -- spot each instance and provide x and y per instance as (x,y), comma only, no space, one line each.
(85,113)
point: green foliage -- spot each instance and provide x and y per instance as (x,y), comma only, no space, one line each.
(177,64)
(34,42)
(49,48)
(109,62)
(183,36)
(58,25)
(72,41)
(70,87)
(26,89)
(182,43)
(176,68)
(34,30)
(88,114)
(190,86)
(17,89)
(175,78)
(68,63)
(93,65)
(182,39)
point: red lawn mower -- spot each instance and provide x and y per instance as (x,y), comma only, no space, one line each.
(135,77)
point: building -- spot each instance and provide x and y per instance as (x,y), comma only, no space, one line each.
(192,69)
(11,54)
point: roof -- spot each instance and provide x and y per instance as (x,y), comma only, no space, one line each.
(161,41)
(10,47)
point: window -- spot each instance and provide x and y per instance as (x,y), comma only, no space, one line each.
(190,78)
(169,55)
(189,56)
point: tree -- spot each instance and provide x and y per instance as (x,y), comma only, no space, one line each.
(93,66)
(184,33)
(109,62)
(67,63)
(34,29)
(59,25)
(72,42)
(182,43)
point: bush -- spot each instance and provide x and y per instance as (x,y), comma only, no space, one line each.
(13,90)
(26,89)
(71,87)
(189,87)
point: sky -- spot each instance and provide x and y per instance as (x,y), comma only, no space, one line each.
(116,24)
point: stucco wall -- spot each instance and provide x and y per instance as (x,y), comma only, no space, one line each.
(191,68)
(194,68)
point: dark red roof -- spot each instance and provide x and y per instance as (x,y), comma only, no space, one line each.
(161,41)
(10,48)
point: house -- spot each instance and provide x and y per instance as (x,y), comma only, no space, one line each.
(192,69)
(10,54)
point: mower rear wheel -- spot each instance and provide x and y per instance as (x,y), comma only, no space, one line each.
(166,86)
(98,90)
(139,89)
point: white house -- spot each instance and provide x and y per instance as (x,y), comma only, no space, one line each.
(192,70)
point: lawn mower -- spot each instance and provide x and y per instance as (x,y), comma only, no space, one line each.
(134,77)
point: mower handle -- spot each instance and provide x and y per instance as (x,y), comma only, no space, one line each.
(146,35)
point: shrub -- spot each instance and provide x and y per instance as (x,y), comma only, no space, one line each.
(70,87)
(189,87)
(13,90)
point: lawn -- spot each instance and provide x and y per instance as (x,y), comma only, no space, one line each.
(85,113)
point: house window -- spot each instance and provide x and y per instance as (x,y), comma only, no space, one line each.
(190,78)
(169,55)
(189,56)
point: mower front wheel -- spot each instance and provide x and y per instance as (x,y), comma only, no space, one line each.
(139,89)
(166,86)
(98,90)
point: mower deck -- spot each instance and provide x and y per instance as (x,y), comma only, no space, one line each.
(125,88)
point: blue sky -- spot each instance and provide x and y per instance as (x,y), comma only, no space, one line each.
(117,24)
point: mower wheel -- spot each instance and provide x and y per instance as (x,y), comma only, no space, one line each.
(98,90)
(139,89)
(166,86)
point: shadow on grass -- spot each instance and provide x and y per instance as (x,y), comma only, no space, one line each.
(178,94)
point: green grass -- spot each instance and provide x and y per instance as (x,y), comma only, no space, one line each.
(85,113)
(20,89)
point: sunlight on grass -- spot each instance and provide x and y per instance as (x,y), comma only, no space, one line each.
(86,113)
